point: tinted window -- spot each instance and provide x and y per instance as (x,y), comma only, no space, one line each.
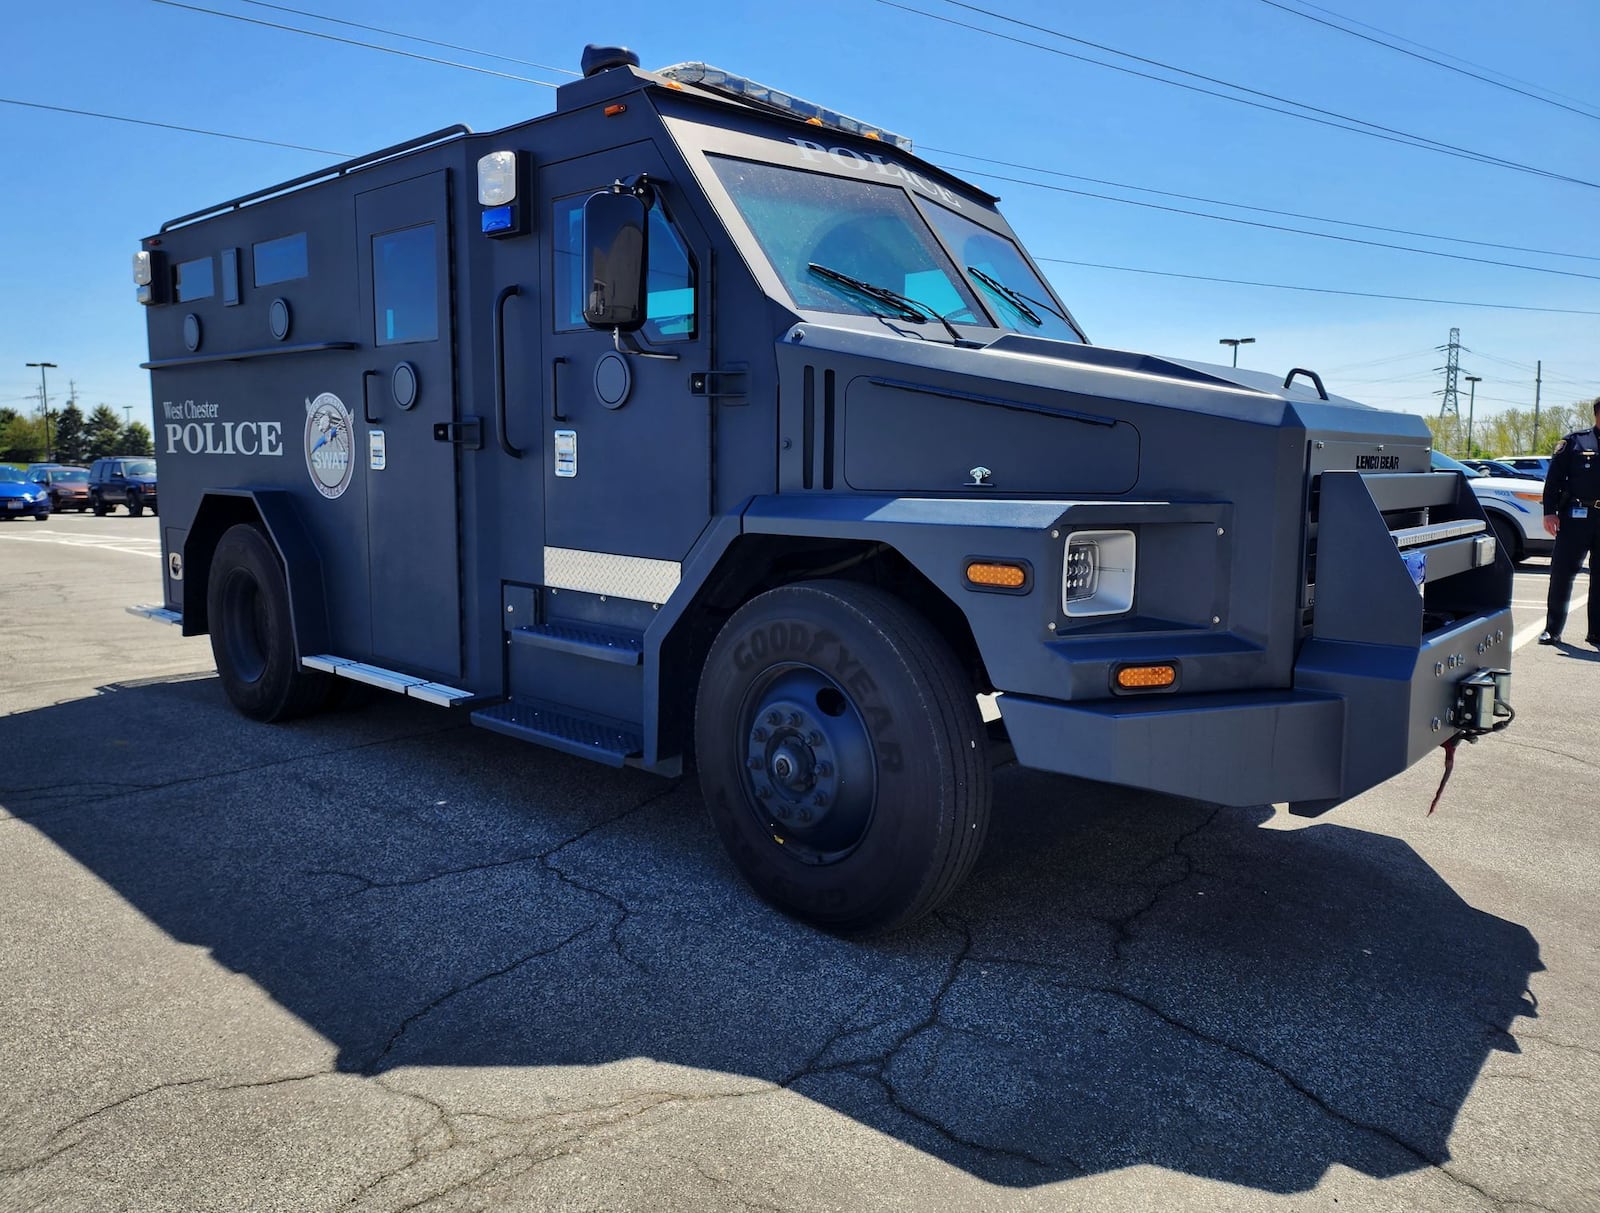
(670,304)
(405,286)
(196,280)
(280,260)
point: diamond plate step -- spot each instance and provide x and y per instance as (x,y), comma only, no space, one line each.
(598,643)
(612,742)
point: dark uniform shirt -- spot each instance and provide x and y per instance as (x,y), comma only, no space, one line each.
(1574,476)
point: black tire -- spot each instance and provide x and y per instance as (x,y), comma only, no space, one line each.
(841,690)
(1508,537)
(135,506)
(100,508)
(252,635)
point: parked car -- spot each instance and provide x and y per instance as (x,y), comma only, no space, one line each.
(1494,467)
(21,498)
(1513,506)
(123,480)
(67,485)
(1538,465)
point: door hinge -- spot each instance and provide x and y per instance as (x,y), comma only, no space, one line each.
(467,432)
(728,385)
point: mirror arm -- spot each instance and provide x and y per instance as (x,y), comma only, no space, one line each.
(631,347)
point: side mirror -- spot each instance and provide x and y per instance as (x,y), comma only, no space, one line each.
(616,229)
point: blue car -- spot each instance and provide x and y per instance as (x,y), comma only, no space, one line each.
(21,499)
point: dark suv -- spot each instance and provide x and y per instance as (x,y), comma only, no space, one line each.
(123,480)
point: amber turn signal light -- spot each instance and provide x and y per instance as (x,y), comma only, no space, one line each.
(997,576)
(1146,677)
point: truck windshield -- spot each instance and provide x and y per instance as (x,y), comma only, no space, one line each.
(868,233)
(1009,285)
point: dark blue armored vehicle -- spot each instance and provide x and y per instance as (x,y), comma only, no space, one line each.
(696,420)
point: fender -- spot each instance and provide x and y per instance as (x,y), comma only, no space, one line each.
(302,564)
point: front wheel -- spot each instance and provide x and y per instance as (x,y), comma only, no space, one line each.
(101,509)
(842,756)
(135,506)
(252,634)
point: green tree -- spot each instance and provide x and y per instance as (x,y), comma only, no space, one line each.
(69,436)
(21,438)
(135,440)
(100,436)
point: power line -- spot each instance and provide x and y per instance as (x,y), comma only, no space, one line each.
(374,29)
(1298,231)
(1333,118)
(1443,54)
(170,126)
(1429,59)
(1321,290)
(1264,210)
(388,50)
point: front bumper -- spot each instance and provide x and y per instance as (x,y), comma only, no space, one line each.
(1357,715)
(13,507)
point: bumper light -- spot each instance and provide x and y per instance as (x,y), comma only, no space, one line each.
(997,576)
(1146,677)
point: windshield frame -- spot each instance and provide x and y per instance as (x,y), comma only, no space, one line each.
(705,132)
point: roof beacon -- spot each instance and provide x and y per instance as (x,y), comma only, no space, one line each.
(703,75)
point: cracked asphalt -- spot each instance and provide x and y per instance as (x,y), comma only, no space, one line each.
(381,960)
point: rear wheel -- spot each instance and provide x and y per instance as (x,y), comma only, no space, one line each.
(252,634)
(1508,537)
(842,756)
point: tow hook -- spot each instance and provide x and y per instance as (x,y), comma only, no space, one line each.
(1483,705)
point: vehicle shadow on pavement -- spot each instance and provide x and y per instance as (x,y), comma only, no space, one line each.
(1126,979)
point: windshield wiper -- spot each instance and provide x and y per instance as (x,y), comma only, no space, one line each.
(902,306)
(1014,297)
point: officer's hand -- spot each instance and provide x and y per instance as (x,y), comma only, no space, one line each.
(1552,523)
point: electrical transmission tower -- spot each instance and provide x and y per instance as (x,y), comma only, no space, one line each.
(1450,406)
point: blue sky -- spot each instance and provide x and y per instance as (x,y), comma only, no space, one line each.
(80,192)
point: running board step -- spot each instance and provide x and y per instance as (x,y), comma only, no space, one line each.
(388,680)
(612,742)
(159,613)
(598,643)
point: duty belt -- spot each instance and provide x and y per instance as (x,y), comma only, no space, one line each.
(1585,503)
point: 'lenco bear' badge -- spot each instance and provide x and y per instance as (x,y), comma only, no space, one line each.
(328,445)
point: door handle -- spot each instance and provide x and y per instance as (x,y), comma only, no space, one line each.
(506,293)
(555,389)
(366,408)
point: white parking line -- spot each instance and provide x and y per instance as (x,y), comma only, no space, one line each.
(1580,599)
(130,547)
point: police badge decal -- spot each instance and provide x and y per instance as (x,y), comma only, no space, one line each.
(327,444)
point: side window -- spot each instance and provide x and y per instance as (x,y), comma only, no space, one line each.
(672,295)
(195,279)
(405,286)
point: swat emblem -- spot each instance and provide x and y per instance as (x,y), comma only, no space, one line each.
(327,444)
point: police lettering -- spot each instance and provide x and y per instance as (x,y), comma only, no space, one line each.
(225,438)
(848,157)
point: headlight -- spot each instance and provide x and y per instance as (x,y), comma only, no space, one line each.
(1097,575)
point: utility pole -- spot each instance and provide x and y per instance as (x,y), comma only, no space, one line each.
(127,415)
(44,403)
(1472,399)
(1450,406)
(1538,377)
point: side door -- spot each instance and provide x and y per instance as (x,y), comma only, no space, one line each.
(627,456)
(403,243)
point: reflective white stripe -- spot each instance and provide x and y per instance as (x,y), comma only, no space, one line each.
(635,577)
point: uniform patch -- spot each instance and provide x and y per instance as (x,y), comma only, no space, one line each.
(328,445)
(1560,446)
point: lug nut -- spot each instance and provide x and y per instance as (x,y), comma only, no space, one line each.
(759,734)
(794,719)
(764,792)
(774,719)
(824,769)
(755,763)
(820,800)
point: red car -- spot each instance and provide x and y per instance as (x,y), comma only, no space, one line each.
(68,486)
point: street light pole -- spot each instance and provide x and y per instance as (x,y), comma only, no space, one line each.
(44,403)
(1472,398)
(1236,342)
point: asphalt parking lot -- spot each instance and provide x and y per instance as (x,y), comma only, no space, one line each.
(380,960)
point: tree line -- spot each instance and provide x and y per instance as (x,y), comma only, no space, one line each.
(73,437)
(1510,431)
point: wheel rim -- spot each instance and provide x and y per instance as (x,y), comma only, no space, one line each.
(810,775)
(244,619)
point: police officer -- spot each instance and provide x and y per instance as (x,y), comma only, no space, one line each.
(1572,515)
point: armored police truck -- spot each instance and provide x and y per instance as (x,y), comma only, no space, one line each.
(696,421)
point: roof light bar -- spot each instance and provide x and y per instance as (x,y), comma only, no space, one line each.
(703,75)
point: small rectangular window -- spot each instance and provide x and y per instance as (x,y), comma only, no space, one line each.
(405,286)
(280,260)
(230,277)
(196,280)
